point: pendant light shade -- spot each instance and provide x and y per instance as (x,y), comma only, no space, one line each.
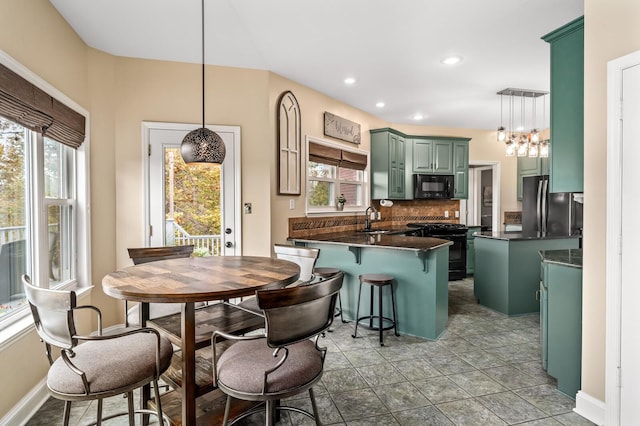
(202,145)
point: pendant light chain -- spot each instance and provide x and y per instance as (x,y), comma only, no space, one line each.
(203,88)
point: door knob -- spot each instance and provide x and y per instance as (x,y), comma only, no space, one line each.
(227,231)
(228,244)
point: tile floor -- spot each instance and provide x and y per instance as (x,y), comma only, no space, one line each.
(485,370)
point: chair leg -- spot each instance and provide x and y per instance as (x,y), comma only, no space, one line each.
(316,417)
(227,407)
(355,333)
(371,307)
(99,419)
(158,402)
(67,413)
(393,305)
(132,419)
(380,316)
(269,413)
(340,307)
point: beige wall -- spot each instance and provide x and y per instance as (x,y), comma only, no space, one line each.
(34,34)
(611,30)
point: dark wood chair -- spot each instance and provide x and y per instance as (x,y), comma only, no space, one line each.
(154,254)
(283,361)
(95,366)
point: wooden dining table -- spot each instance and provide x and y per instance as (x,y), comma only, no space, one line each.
(187,281)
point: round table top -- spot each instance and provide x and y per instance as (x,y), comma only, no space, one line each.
(198,279)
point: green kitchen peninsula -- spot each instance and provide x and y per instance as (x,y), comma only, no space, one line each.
(419,265)
(507,269)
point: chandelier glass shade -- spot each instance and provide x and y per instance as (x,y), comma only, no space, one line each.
(517,140)
(202,146)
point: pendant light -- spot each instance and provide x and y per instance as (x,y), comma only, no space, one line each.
(202,146)
(502,133)
(517,141)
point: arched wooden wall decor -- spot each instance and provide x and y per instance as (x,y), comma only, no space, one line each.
(289,142)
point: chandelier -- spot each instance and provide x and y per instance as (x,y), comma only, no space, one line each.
(516,139)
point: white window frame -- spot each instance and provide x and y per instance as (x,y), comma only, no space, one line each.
(331,210)
(19,322)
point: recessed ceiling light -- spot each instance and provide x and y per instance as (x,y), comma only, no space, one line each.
(380,104)
(349,80)
(452,60)
(417,116)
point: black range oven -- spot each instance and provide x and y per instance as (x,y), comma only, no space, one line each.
(453,232)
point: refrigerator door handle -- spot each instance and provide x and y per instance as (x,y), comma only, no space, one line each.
(538,208)
(545,194)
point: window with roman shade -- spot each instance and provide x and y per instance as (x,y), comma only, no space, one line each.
(43,230)
(333,170)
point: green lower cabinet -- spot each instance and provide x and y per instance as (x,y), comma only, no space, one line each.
(564,326)
(471,248)
(420,283)
(507,272)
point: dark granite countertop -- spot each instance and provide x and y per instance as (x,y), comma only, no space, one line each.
(516,236)
(386,240)
(566,257)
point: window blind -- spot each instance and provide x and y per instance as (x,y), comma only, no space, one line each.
(336,157)
(31,107)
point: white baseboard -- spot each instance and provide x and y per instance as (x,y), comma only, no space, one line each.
(28,406)
(590,408)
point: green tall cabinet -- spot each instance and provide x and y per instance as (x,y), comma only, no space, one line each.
(389,178)
(567,107)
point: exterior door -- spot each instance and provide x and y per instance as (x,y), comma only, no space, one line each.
(186,204)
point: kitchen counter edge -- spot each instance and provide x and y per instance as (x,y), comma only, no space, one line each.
(386,241)
(518,236)
(566,257)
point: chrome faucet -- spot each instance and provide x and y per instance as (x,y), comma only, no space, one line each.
(367,220)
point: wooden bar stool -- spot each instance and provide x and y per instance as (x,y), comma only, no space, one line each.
(380,281)
(326,273)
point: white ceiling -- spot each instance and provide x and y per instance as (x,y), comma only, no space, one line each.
(392,47)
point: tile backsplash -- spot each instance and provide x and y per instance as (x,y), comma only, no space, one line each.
(402,212)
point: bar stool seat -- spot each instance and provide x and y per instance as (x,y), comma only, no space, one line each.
(380,281)
(326,272)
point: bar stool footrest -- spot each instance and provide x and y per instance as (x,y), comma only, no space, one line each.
(376,317)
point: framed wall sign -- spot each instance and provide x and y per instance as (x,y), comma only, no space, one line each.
(289,142)
(341,128)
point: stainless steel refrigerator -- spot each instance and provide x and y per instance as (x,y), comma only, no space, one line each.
(549,214)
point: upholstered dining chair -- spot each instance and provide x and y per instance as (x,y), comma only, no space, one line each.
(304,257)
(153,254)
(95,366)
(283,361)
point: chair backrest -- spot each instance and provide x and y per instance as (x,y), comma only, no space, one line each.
(294,314)
(52,312)
(152,254)
(303,256)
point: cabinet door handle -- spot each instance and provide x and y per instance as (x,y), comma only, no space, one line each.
(538,295)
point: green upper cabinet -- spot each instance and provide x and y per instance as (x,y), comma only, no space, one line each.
(388,164)
(432,156)
(395,157)
(528,166)
(567,107)
(461,169)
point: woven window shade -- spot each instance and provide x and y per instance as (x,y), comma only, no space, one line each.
(324,154)
(336,157)
(31,107)
(353,160)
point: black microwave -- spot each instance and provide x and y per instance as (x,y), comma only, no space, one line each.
(432,187)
